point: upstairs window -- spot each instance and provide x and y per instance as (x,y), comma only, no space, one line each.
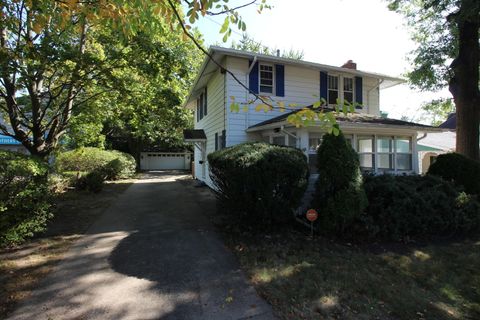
(266,78)
(332,89)
(202,105)
(348,90)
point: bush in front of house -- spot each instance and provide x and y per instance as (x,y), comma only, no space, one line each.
(259,183)
(24,197)
(116,164)
(459,169)
(403,207)
(339,196)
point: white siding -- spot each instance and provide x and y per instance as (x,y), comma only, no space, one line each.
(302,87)
(371,96)
(301,84)
(213,122)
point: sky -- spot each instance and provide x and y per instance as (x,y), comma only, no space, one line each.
(332,32)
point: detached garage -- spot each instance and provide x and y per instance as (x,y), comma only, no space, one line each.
(165,160)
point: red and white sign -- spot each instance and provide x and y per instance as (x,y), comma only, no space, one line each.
(312,215)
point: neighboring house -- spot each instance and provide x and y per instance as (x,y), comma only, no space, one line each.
(384,145)
(10,144)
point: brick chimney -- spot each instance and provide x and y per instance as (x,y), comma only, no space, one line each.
(350,65)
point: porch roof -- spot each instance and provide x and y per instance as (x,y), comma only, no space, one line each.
(350,120)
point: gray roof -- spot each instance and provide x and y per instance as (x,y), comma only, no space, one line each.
(353,118)
(450,123)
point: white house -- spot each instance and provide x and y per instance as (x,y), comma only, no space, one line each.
(383,145)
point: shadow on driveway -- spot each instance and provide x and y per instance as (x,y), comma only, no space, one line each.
(152,255)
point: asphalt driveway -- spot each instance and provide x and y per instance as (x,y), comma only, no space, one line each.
(152,255)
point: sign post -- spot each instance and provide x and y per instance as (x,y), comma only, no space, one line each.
(311,215)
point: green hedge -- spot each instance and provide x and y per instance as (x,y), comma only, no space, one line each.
(115,164)
(24,197)
(339,196)
(458,169)
(259,183)
(403,207)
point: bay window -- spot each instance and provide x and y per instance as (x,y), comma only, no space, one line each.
(403,153)
(385,153)
(365,152)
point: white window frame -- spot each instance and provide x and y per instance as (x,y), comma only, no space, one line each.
(372,153)
(410,153)
(353,88)
(260,79)
(390,153)
(339,94)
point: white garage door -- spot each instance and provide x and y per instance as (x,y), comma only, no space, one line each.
(164,161)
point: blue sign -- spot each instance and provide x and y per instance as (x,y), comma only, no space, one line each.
(8,140)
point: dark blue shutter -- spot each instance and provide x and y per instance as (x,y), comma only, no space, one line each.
(359,91)
(224,138)
(280,80)
(205,102)
(216,141)
(324,86)
(253,78)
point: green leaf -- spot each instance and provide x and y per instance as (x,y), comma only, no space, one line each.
(225,25)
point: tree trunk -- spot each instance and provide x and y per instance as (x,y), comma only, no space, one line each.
(464,83)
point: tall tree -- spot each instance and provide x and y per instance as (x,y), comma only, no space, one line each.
(448,54)
(247,43)
(47,53)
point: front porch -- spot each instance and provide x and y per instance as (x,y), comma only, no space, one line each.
(383,145)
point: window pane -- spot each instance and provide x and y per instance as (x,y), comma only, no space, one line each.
(266,89)
(403,145)
(366,160)
(348,84)
(292,142)
(279,140)
(385,161)
(348,96)
(384,144)
(365,144)
(332,97)
(333,82)
(404,161)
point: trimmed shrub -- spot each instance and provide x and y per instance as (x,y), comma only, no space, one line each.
(24,197)
(339,196)
(402,207)
(459,169)
(89,159)
(259,183)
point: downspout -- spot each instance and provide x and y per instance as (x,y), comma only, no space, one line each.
(422,137)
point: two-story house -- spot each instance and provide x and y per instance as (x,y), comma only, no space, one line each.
(383,145)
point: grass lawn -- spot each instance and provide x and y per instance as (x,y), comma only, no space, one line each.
(22,267)
(320,279)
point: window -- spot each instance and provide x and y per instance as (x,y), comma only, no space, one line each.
(365,152)
(279,140)
(385,153)
(348,90)
(332,89)
(202,105)
(292,142)
(266,78)
(403,149)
